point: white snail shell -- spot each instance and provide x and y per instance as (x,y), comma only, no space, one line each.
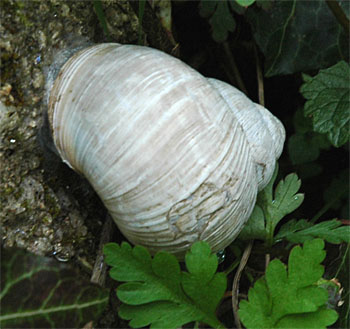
(174,156)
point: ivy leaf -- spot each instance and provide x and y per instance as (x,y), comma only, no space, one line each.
(328,102)
(40,292)
(299,231)
(298,36)
(157,293)
(290,298)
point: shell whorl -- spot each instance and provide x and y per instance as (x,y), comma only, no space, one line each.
(162,145)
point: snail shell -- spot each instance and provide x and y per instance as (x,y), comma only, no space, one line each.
(174,156)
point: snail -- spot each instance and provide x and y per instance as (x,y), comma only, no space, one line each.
(174,156)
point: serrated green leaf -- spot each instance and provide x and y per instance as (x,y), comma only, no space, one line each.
(157,293)
(255,226)
(286,198)
(322,318)
(292,226)
(164,317)
(201,263)
(328,102)
(299,231)
(283,201)
(40,292)
(304,263)
(259,304)
(289,297)
(201,283)
(298,36)
(271,207)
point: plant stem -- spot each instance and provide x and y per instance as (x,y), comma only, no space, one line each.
(140,17)
(231,267)
(100,268)
(260,77)
(101,17)
(235,285)
(234,67)
(345,256)
(270,232)
(339,14)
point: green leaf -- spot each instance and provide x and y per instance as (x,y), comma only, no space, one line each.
(299,231)
(328,102)
(255,226)
(221,19)
(222,22)
(159,314)
(201,283)
(271,207)
(157,293)
(298,36)
(301,149)
(315,320)
(245,3)
(290,298)
(286,198)
(39,292)
(283,201)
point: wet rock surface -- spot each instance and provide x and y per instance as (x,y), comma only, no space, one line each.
(44,206)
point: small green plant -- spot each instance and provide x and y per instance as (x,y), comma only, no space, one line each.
(298,231)
(273,205)
(158,293)
(219,15)
(290,298)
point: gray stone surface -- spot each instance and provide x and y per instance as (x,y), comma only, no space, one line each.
(40,211)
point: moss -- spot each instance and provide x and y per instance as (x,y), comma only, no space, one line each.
(51,203)
(8,190)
